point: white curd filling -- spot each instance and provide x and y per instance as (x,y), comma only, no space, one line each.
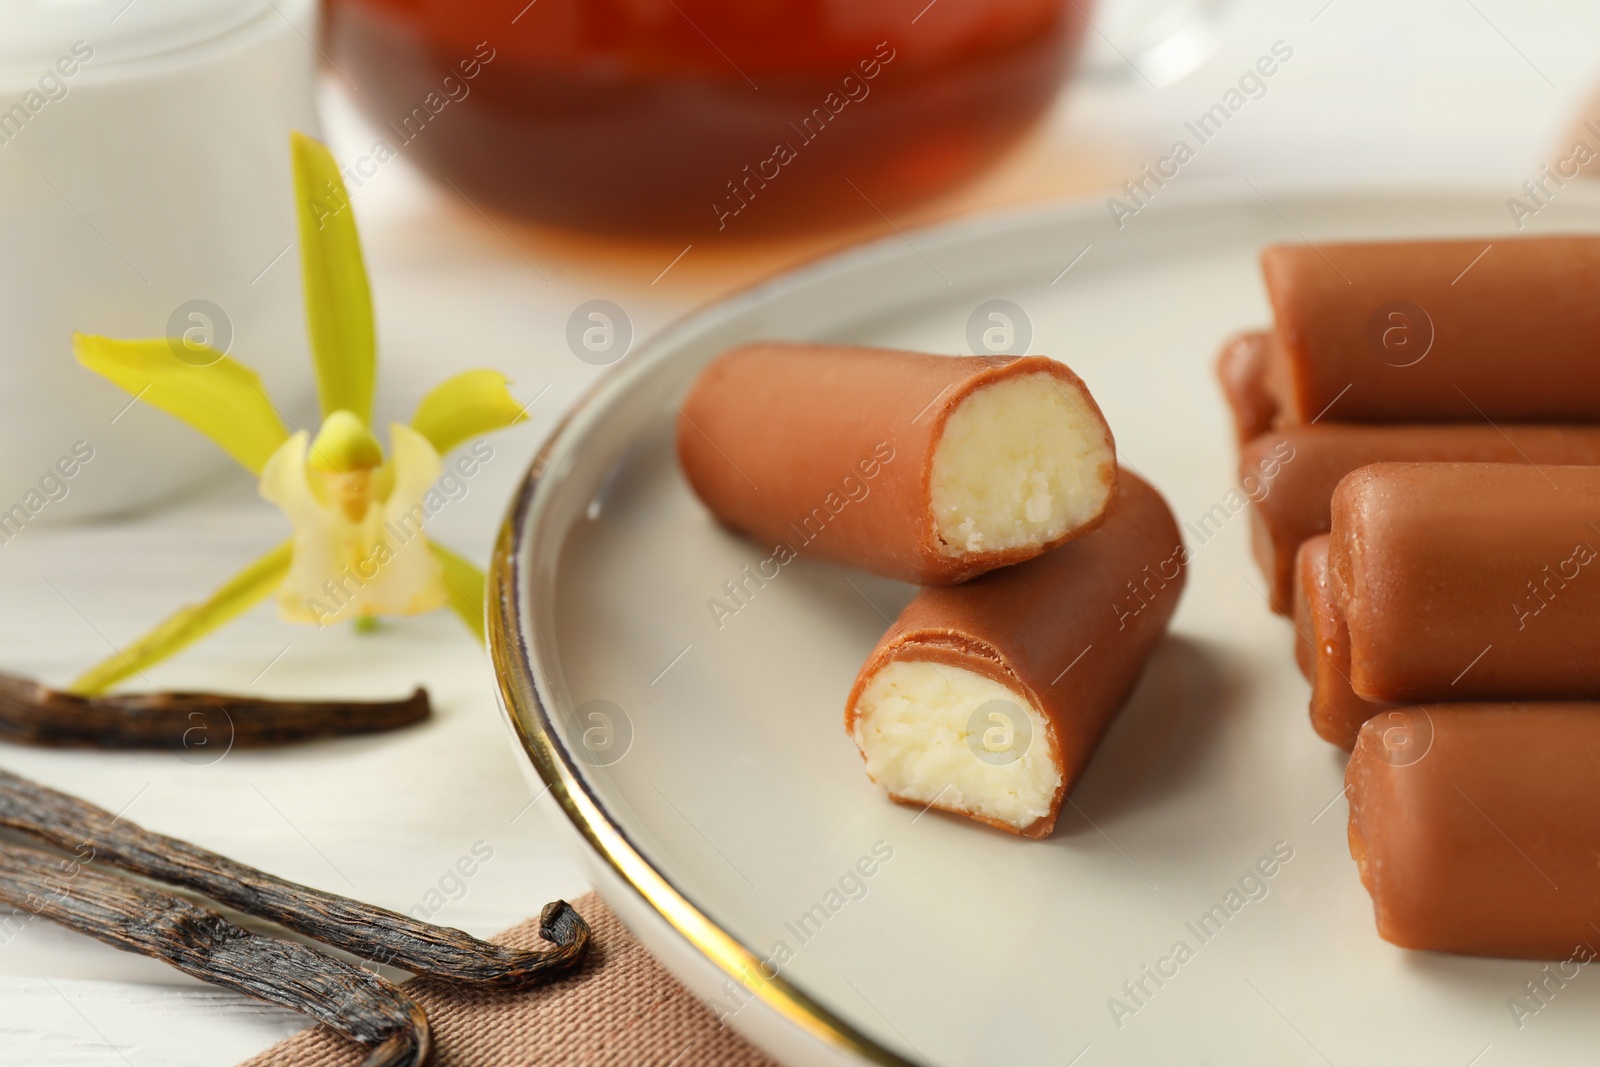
(932,733)
(1020,462)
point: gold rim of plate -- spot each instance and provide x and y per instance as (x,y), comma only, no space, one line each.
(529,711)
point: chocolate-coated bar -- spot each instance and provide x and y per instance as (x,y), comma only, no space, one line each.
(1436,331)
(930,469)
(1310,597)
(1299,467)
(1468,581)
(1475,827)
(987,699)
(1241,371)
(1322,649)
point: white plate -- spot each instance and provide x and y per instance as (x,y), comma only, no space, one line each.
(740,803)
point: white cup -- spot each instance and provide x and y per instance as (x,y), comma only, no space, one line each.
(145,191)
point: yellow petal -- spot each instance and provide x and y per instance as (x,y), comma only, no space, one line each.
(466,585)
(189,624)
(416,466)
(346,566)
(338,301)
(471,403)
(222,399)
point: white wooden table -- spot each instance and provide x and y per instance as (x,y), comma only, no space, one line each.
(1445,90)
(381,818)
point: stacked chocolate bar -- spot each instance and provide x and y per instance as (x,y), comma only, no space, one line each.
(1049,574)
(1430,522)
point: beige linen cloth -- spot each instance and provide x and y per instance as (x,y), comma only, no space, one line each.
(619,1008)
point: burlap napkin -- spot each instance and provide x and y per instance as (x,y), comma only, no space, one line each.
(620,1008)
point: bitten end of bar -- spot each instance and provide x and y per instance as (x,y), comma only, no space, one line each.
(1023,462)
(935,734)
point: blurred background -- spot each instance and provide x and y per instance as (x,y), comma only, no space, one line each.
(513,162)
(1372,94)
(651,120)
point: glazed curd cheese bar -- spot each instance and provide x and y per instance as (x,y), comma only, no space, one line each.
(1475,827)
(987,699)
(1468,581)
(1322,649)
(930,469)
(1241,371)
(1436,331)
(1299,467)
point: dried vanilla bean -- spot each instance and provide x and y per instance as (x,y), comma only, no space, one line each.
(34,714)
(356,1003)
(367,931)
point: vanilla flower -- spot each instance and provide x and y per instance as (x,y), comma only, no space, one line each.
(358,549)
